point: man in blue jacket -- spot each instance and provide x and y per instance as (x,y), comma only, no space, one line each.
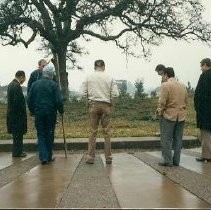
(36,74)
(44,100)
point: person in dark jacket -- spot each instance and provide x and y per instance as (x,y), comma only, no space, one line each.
(36,74)
(202,103)
(16,113)
(44,100)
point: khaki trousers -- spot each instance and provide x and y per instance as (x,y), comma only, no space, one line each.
(206,143)
(100,112)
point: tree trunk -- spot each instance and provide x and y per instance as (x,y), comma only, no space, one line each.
(63,75)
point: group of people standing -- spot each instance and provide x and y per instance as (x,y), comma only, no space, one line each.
(45,100)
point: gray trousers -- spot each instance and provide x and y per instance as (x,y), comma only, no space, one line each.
(171,138)
(206,143)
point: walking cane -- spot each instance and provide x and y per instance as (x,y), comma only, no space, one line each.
(64,137)
(63,130)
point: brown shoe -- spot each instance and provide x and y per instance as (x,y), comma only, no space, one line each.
(90,160)
(109,160)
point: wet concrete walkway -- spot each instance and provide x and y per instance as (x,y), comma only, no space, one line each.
(41,187)
(189,162)
(138,185)
(7,160)
(90,187)
(128,183)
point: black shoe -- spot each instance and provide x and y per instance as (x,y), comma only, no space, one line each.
(201,159)
(165,164)
(175,164)
(109,161)
(52,159)
(44,162)
(21,155)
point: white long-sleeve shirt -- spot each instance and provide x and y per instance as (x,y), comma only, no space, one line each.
(99,87)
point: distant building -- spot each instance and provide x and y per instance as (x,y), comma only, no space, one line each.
(126,87)
(120,83)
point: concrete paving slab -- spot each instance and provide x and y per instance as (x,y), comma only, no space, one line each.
(90,188)
(41,187)
(190,163)
(6,159)
(128,183)
(139,186)
(195,183)
(13,171)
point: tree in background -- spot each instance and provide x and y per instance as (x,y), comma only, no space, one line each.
(190,89)
(133,25)
(139,94)
(122,86)
(153,94)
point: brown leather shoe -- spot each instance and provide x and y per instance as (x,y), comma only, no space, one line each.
(90,160)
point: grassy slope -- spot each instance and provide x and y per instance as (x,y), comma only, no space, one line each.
(130,118)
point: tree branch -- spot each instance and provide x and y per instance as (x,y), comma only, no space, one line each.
(14,40)
(107,38)
(116,11)
(45,15)
(51,6)
(70,10)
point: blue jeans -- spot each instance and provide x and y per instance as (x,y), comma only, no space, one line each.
(171,138)
(45,125)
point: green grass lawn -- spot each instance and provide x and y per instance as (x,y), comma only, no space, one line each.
(130,118)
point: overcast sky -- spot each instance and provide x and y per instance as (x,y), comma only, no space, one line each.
(183,57)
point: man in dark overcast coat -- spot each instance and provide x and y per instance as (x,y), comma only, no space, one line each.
(202,102)
(16,113)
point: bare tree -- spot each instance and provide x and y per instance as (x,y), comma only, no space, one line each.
(130,23)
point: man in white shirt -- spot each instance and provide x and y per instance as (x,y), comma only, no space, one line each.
(99,88)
